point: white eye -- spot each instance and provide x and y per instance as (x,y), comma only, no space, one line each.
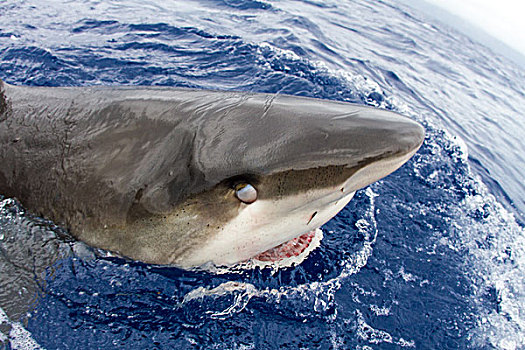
(246,193)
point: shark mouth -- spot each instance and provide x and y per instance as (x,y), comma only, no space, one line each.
(292,252)
(293,247)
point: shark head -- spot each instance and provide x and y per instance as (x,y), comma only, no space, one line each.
(190,177)
(263,170)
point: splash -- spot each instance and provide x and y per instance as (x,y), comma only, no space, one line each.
(19,338)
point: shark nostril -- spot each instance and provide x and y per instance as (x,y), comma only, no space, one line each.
(311,218)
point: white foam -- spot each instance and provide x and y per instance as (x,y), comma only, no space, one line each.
(496,262)
(378,336)
(19,338)
(380,311)
(493,246)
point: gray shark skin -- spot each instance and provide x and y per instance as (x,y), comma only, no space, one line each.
(151,172)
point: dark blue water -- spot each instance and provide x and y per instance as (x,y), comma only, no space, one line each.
(432,257)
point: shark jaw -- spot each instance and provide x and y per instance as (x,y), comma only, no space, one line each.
(268,225)
(291,249)
(275,229)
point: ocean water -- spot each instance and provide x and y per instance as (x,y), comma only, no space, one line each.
(431,257)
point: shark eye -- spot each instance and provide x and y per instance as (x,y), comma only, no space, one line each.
(246,193)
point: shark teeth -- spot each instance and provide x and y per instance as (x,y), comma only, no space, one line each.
(294,250)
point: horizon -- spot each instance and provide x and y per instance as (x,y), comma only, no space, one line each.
(481,20)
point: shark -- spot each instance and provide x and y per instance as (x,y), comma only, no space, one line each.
(188,177)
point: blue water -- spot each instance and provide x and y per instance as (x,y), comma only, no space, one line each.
(432,257)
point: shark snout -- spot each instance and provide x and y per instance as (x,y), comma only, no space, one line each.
(369,133)
(395,134)
(380,142)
